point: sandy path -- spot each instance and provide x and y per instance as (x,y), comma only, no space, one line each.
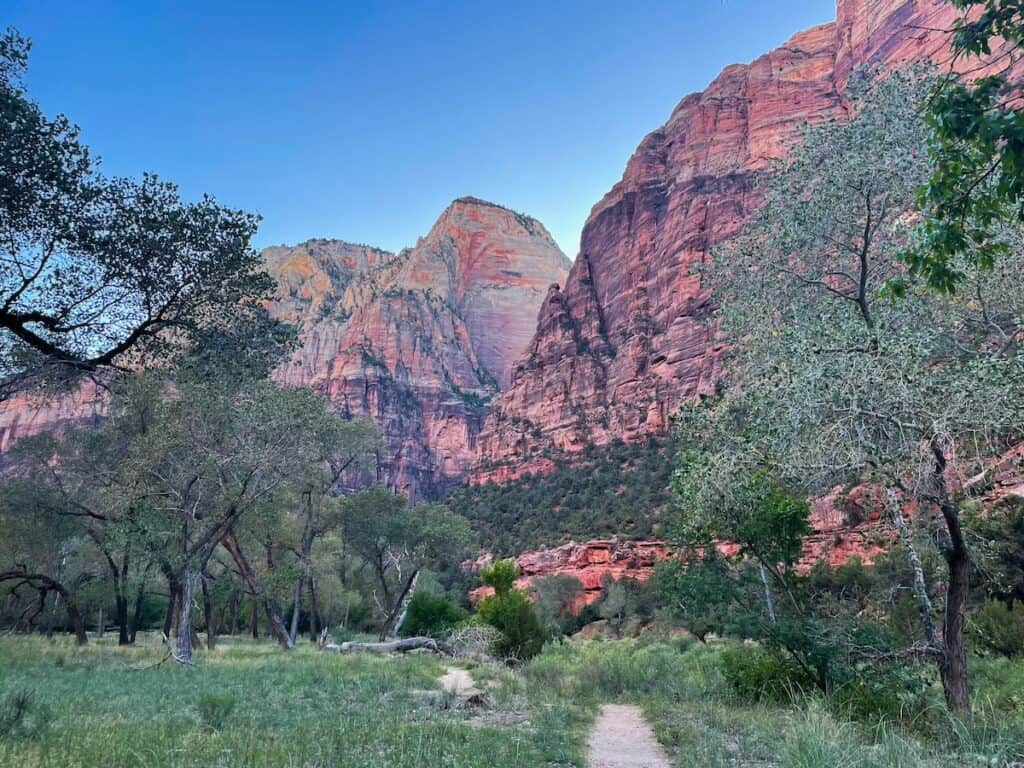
(622,738)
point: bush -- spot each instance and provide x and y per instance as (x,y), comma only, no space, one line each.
(23,716)
(999,629)
(877,693)
(512,614)
(500,575)
(431,615)
(214,710)
(760,674)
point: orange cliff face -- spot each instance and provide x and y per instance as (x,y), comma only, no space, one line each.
(418,341)
(629,336)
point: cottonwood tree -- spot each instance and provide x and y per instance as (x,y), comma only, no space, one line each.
(79,478)
(104,273)
(334,447)
(397,543)
(42,552)
(836,380)
(976,145)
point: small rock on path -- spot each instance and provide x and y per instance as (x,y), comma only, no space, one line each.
(622,738)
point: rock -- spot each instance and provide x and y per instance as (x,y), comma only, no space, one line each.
(422,340)
(419,341)
(629,335)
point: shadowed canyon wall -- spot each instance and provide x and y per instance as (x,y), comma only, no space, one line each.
(629,335)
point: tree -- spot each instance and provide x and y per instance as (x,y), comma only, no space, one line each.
(334,447)
(977,147)
(701,592)
(836,380)
(510,612)
(108,273)
(42,551)
(397,543)
(555,598)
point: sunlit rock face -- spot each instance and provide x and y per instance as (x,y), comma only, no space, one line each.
(419,341)
(629,335)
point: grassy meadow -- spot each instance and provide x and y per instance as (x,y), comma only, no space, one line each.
(248,704)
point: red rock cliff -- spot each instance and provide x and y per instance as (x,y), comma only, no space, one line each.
(627,337)
(419,341)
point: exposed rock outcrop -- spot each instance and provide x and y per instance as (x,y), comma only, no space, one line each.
(629,336)
(419,341)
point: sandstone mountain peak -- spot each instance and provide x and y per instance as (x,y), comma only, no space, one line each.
(420,340)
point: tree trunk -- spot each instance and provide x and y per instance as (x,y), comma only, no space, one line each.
(395,646)
(77,625)
(314,611)
(211,632)
(121,607)
(183,638)
(233,623)
(296,607)
(99,625)
(405,605)
(953,664)
(277,628)
(174,590)
(254,619)
(133,627)
(389,621)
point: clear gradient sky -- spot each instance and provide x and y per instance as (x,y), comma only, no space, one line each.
(363,120)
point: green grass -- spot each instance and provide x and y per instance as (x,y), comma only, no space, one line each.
(703,724)
(248,704)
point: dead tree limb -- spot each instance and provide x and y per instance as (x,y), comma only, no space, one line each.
(394,646)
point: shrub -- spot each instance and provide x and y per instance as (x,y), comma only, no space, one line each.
(761,674)
(512,614)
(877,693)
(23,716)
(431,615)
(999,629)
(555,595)
(215,709)
(500,575)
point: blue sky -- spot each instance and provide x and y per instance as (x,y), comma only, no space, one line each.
(364,120)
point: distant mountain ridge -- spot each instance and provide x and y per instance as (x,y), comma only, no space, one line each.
(419,341)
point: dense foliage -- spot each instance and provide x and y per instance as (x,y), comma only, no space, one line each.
(835,379)
(615,490)
(510,612)
(976,146)
(102,272)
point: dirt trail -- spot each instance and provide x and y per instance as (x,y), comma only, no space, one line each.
(622,738)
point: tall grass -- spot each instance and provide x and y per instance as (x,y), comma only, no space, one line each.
(704,723)
(248,704)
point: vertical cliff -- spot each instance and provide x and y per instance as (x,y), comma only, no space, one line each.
(628,337)
(419,341)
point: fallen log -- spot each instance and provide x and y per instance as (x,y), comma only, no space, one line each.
(393,646)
